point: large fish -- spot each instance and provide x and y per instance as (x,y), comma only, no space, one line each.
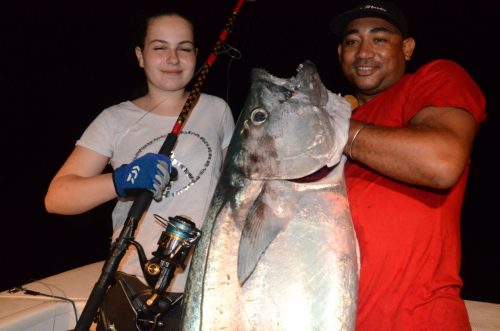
(278,249)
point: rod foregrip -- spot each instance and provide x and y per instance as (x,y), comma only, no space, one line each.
(100,288)
(168,144)
(90,310)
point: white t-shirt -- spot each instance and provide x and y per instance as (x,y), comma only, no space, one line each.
(124,132)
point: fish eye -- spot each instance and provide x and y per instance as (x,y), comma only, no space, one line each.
(259,116)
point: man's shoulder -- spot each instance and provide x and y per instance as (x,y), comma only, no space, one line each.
(440,65)
(438,71)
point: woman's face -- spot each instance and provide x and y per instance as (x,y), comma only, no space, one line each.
(169,54)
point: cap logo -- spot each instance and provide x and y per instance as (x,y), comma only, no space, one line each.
(374,7)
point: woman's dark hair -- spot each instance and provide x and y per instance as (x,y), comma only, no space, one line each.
(166,8)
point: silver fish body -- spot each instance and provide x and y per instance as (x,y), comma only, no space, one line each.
(277,252)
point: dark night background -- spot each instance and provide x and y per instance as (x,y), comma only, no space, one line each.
(65,61)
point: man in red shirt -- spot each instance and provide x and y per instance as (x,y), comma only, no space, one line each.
(409,146)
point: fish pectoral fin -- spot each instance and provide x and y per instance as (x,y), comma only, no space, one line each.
(261,226)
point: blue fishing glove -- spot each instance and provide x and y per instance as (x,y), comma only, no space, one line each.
(149,172)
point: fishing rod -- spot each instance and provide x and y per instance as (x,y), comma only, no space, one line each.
(143,200)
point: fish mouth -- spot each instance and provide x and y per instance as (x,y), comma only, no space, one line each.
(315,176)
(293,83)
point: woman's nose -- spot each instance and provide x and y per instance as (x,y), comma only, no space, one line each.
(172,57)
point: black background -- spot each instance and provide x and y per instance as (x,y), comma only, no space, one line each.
(63,62)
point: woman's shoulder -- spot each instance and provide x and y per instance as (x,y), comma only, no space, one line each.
(119,110)
(213,102)
(120,107)
(210,98)
(116,115)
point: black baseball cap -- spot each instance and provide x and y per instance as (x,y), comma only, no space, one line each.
(385,10)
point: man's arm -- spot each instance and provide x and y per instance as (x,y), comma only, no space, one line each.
(433,151)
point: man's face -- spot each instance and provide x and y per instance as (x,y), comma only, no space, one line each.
(373,55)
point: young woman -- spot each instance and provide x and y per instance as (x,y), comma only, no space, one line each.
(129,135)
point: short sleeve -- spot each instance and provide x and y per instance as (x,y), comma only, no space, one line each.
(227,127)
(444,83)
(97,136)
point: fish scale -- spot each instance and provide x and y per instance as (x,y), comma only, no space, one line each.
(278,249)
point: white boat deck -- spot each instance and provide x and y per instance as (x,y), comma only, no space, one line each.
(19,311)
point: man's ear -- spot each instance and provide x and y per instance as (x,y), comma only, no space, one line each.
(408,48)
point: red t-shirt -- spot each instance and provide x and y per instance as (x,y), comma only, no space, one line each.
(410,236)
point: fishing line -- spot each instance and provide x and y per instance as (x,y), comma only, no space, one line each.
(225,48)
(236,54)
(51,295)
(127,130)
(232,52)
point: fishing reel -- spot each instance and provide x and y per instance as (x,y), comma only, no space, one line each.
(179,236)
(130,304)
